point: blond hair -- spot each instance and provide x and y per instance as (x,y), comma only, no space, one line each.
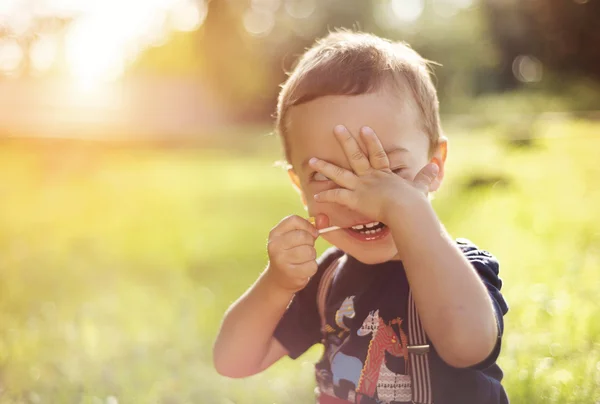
(353,63)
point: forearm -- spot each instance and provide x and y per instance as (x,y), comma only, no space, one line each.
(454,305)
(247,329)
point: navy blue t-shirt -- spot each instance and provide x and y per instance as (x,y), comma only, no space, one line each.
(362,295)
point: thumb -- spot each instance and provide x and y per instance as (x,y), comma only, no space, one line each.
(426,176)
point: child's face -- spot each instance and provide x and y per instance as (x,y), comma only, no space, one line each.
(310,134)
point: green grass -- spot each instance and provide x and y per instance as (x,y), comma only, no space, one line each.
(116,265)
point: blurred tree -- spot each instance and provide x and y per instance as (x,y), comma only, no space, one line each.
(244,48)
(457,40)
(562,34)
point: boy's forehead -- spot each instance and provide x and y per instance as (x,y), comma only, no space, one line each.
(310,125)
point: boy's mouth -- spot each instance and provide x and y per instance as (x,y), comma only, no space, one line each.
(369,232)
(368,228)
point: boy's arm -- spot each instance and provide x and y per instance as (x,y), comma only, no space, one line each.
(245,344)
(453,303)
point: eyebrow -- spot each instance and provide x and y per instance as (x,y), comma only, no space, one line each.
(394,150)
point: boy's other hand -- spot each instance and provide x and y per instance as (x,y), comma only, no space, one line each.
(292,253)
(371,188)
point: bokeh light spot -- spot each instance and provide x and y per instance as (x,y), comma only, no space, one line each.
(112,400)
(527,69)
(266,5)
(187,15)
(407,10)
(258,23)
(300,8)
(43,53)
(11,55)
(19,21)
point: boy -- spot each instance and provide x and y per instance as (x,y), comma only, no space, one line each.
(405,313)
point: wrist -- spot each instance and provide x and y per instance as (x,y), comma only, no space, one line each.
(273,285)
(406,211)
(416,230)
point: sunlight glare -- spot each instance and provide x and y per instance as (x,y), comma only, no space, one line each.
(94,53)
(7,6)
(107,35)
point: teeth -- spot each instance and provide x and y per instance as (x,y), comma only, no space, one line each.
(362,226)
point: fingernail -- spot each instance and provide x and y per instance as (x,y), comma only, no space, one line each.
(316,196)
(313,160)
(367,131)
(339,129)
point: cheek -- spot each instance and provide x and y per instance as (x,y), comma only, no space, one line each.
(315,187)
(314,207)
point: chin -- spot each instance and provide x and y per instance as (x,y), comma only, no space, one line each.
(369,258)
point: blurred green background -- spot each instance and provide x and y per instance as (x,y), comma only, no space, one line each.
(138,184)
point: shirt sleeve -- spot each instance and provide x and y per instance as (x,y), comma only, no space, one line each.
(300,325)
(488,268)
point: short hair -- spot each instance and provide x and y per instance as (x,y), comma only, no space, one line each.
(353,63)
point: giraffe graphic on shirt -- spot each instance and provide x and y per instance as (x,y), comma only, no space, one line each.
(375,376)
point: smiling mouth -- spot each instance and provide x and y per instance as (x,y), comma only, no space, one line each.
(368,229)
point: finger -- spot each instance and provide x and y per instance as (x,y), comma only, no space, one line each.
(293,222)
(339,195)
(357,159)
(377,155)
(301,254)
(337,174)
(306,269)
(296,238)
(321,221)
(426,176)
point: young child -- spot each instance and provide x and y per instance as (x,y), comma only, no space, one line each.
(405,313)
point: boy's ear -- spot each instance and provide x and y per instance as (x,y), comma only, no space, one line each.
(439,158)
(296,184)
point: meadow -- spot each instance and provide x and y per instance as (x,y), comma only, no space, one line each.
(117,263)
